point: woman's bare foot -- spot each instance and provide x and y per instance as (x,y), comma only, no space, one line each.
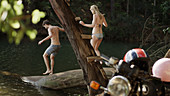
(101,62)
(47,72)
(96,60)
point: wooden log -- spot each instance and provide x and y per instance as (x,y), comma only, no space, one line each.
(85,36)
(61,80)
(167,55)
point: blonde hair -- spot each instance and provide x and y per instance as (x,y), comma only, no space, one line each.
(96,11)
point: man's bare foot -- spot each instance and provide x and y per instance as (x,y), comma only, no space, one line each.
(47,72)
(51,73)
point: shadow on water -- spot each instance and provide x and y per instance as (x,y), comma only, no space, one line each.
(26,60)
(12,85)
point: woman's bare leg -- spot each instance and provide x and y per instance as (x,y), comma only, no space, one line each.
(97,46)
(93,42)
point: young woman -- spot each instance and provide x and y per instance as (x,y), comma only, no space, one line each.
(97,33)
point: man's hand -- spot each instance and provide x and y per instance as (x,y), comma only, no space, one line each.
(40,42)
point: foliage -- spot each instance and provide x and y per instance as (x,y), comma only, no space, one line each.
(156,31)
(167,30)
(165,7)
(147,21)
(14,23)
(155,38)
(122,25)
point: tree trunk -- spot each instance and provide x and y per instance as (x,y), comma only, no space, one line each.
(82,48)
(127,9)
(112,4)
(167,55)
(154,10)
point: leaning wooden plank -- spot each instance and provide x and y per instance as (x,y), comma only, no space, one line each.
(84,36)
(167,55)
(92,58)
(61,80)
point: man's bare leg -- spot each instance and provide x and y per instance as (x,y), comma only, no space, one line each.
(45,56)
(52,63)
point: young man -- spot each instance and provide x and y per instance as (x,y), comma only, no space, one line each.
(53,34)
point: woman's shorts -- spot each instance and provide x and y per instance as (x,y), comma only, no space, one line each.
(99,35)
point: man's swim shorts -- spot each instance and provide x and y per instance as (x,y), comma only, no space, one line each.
(52,49)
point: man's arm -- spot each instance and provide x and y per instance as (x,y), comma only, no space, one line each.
(47,38)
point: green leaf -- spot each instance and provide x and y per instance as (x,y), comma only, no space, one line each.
(19,36)
(18,7)
(31,33)
(5,5)
(14,24)
(4,15)
(37,15)
(14,33)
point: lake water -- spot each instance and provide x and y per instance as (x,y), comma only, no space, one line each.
(26,60)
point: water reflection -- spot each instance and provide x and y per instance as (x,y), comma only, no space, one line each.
(26,60)
(78,91)
(13,86)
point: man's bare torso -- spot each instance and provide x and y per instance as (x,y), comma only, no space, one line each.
(54,32)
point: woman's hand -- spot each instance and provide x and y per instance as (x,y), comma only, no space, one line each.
(81,22)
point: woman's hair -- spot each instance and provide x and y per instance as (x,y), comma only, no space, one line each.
(45,22)
(96,10)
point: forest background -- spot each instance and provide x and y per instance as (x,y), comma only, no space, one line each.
(142,21)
